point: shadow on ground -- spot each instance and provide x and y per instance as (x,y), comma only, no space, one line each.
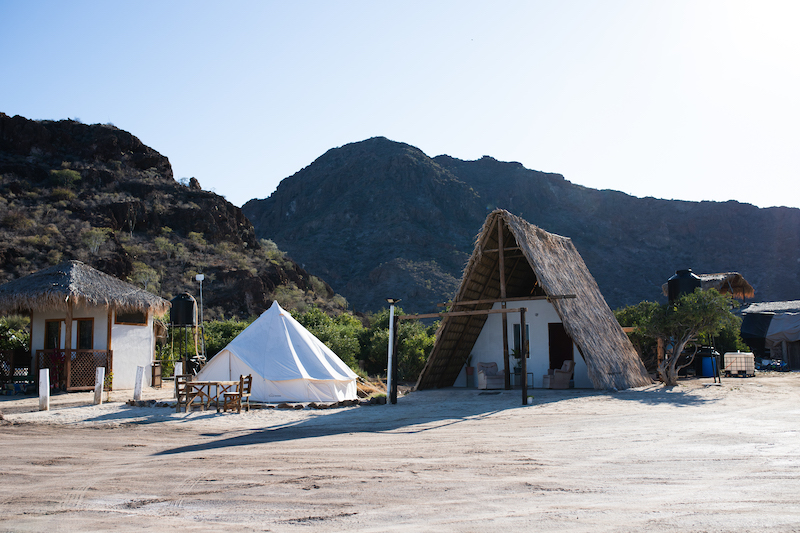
(424,411)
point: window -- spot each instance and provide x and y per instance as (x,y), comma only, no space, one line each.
(132,318)
(85,333)
(52,334)
(517,339)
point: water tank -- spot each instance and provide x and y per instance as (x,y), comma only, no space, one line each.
(184,310)
(683,282)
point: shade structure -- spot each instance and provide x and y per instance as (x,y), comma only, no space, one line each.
(287,362)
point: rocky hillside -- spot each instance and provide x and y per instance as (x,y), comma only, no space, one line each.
(97,194)
(379,218)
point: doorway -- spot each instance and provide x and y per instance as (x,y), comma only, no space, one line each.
(560,344)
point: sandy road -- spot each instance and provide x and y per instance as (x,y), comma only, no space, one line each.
(695,458)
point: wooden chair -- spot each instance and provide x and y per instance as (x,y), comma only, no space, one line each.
(242,394)
(182,391)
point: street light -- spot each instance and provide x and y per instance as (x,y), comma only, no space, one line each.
(391,301)
(200,278)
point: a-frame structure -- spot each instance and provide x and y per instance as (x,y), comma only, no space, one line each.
(515,261)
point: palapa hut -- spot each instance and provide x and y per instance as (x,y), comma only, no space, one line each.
(731,283)
(82,319)
(517,264)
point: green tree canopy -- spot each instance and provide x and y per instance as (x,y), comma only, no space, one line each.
(687,323)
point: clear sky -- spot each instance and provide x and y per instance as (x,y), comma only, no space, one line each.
(684,99)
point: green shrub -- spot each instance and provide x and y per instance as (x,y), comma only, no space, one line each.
(414,344)
(94,238)
(218,333)
(198,239)
(341,334)
(62,194)
(65,177)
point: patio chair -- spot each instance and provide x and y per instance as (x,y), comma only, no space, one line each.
(182,391)
(242,394)
(558,378)
(489,377)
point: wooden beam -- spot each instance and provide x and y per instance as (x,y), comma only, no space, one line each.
(461,313)
(501,268)
(514,299)
(500,247)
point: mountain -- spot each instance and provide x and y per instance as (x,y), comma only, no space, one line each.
(381,219)
(96,193)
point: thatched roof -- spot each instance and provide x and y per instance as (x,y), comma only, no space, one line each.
(79,284)
(731,283)
(537,263)
(789,306)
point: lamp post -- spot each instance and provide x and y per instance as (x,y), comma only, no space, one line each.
(200,278)
(390,365)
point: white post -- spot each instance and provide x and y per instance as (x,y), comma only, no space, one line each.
(137,387)
(44,389)
(99,381)
(391,350)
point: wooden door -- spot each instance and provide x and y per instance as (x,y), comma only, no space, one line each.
(560,344)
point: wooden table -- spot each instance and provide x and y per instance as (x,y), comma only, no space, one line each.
(203,390)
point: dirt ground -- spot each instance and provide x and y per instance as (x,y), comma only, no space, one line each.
(698,457)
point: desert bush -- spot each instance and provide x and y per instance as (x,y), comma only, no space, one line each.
(17,220)
(198,239)
(318,286)
(36,240)
(145,276)
(65,177)
(164,245)
(94,238)
(54,257)
(62,194)
(290,297)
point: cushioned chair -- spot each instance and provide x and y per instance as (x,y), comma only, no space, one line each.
(489,377)
(558,378)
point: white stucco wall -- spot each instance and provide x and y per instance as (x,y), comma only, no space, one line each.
(132,345)
(100,334)
(489,345)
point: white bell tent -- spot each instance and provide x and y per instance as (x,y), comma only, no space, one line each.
(287,362)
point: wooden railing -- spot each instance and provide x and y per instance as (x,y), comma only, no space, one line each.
(73,370)
(15,366)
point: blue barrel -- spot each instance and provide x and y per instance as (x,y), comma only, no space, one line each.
(708,366)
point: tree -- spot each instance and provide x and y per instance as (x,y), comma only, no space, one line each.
(340,333)
(145,276)
(414,344)
(94,238)
(684,324)
(66,177)
(638,316)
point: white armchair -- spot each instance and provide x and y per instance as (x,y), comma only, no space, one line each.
(489,377)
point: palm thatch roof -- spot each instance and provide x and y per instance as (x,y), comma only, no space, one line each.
(536,264)
(731,283)
(75,283)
